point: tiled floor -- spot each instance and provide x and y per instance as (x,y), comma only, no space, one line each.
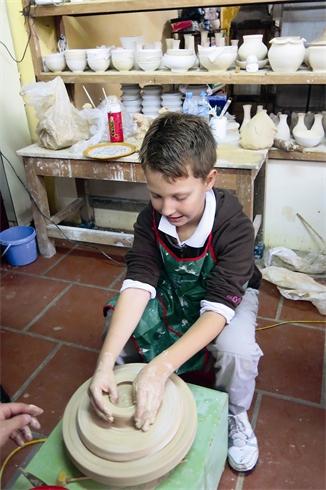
(51,325)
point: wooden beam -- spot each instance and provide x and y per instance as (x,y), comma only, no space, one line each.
(99,237)
(70,209)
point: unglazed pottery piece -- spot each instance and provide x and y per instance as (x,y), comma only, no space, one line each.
(252,44)
(283,130)
(286,54)
(259,133)
(118,453)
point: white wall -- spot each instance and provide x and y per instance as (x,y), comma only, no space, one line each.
(14,132)
(295,187)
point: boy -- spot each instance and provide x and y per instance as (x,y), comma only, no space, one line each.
(191,285)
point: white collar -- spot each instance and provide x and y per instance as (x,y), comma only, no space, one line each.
(203,229)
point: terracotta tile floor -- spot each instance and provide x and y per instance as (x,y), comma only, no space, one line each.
(51,325)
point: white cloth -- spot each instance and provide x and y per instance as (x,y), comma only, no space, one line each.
(197,240)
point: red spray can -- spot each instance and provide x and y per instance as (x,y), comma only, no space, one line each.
(115,123)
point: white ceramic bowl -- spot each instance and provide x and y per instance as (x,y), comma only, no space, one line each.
(130,103)
(130,97)
(148,54)
(317,58)
(75,54)
(55,62)
(149,65)
(179,64)
(243,64)
(122,53)
(123,65)
(308,138)
(156,105)
(99,64)
(180,52)
(221,63)
(77,66)
(98,53)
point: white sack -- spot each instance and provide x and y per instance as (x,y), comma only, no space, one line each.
(312,263)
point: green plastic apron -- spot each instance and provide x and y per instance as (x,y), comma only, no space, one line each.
(180,289)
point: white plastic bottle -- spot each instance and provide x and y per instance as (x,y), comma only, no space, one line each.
(203,105)
(189,105)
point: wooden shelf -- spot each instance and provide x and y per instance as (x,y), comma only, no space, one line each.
(115,6)
(263,77)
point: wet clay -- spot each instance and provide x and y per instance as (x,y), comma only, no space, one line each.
(119,454)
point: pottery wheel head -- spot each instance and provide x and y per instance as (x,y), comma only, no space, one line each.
(118,453)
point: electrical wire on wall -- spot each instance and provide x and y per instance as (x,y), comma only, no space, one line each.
(2,156)
(28,15)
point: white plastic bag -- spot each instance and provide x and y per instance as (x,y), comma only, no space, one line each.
(312,263)
(99,126)
(297,286)
(60,123)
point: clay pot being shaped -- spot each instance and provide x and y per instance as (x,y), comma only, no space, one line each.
(286,54)
(300,126)
(283,130)
(317,127)
(246,116)
(252,45)
(317,58)
(117,453)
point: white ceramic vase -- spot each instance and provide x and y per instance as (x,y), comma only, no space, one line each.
(300,126)
(246,115)
(219,39)
(283,130)
(252,44)
(286,54)
(318,124)
(204,39)
(259,108)
(189,42)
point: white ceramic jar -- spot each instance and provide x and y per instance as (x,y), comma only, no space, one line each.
(317,58)
(286,54)
(252,44)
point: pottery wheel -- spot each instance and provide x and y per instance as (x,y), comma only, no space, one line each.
(118,453)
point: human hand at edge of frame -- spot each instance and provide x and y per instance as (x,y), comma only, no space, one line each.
(103,382)
(16,420)
(148,390)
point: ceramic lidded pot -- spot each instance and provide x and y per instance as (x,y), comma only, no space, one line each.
(286,54)
(252,44)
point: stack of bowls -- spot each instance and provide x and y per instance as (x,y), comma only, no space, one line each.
(131,42)
(217,58)
(151,100)
(179,60)
(131,97)
(173,101)
(98,59)
(123,59)
(76,59)
(149,59)
(55,62)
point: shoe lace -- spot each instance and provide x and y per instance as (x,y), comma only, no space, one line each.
(237,431)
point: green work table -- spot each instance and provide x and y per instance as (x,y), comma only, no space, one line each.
(201,468)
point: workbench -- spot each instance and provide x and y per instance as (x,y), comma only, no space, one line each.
(201,468)
(238,170)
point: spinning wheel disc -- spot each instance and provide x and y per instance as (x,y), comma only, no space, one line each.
(118,453)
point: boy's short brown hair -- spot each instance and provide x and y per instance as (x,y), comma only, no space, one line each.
(176,143)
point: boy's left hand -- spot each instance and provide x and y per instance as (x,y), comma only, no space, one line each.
(148,390)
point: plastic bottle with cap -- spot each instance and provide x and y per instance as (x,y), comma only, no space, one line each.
(115,123)
(203,105)
(189,105)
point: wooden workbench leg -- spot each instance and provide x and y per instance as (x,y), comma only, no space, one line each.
(36,187)
(259,199)
(245,191)
(86,212)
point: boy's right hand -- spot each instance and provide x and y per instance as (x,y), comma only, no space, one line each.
(103,382)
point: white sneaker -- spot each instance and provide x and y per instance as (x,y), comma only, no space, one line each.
(243,448)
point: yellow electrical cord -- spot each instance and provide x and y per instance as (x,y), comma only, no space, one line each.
(15,451)
(292,321)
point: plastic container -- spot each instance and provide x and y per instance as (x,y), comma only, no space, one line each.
(189,105)
(203,105)
(19,245)
(115,123)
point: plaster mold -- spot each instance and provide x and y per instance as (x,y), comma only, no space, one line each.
(118,453)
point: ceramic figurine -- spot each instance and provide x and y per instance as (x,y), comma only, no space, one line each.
(246,116)
(300,126)
(283,130)
(252,45)
(318,124)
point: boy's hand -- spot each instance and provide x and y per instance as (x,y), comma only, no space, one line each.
(102,382)
(14,421)
(148,390)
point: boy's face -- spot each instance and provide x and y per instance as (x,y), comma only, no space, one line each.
(182,202)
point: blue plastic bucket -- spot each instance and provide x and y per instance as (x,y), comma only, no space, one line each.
(19,245)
